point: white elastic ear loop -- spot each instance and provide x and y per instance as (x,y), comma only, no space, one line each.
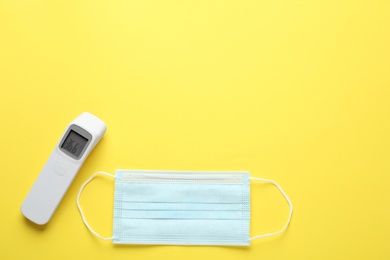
(288,201)
(79,207)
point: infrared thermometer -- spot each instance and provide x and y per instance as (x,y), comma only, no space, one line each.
(78,140)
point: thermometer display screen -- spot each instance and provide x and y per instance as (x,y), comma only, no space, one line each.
(74,143)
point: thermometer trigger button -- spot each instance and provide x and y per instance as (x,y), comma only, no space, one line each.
(59,168)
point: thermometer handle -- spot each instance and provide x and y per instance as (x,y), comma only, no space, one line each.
(49,188)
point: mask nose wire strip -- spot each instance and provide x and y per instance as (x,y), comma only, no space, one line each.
(288,201)
(79,207)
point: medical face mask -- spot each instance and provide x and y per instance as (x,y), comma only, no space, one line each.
(182,208)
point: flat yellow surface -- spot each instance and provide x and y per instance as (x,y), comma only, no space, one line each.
(295,91)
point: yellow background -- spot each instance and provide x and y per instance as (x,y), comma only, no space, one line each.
(295,91)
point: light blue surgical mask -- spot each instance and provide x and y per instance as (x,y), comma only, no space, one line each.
(182,208)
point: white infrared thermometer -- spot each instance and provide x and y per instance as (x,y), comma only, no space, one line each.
(68,156)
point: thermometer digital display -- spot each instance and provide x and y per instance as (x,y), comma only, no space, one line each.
(74,144)
(78,140)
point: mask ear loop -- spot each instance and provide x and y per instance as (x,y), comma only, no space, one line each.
(288,201)
(79,207)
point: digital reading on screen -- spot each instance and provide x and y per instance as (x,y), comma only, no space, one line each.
(74,143)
